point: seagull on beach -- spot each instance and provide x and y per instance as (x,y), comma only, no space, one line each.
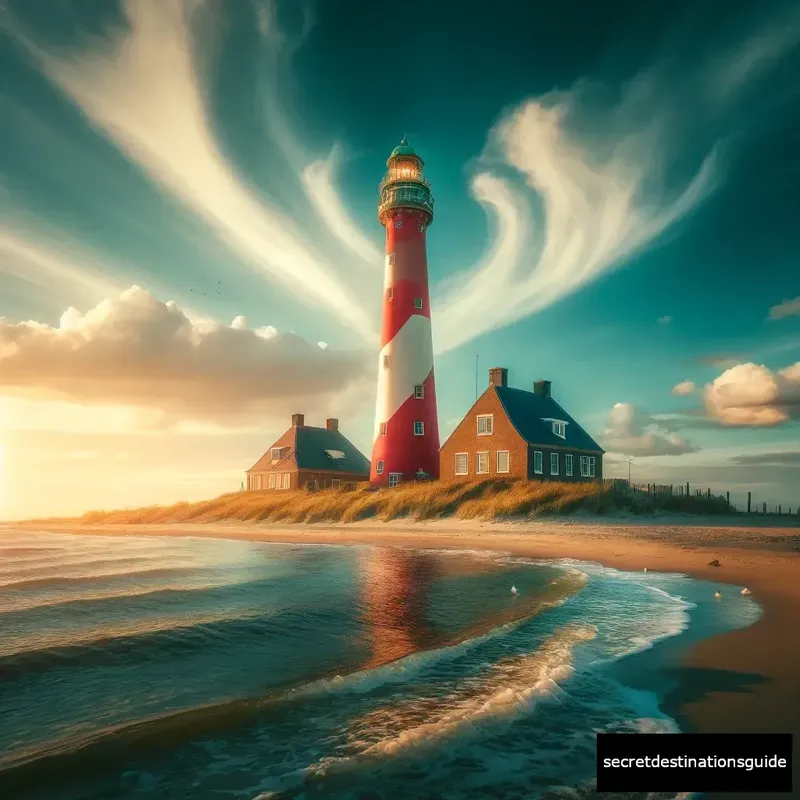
(514,590)
(746,591)
(718,595)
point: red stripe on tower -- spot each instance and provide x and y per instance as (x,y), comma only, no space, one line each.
(406,422)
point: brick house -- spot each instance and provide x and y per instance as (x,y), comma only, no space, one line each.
(309,458)
(516,433)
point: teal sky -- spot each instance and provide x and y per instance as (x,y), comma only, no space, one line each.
(616,211)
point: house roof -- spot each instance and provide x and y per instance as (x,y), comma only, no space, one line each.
(307,448)
(527,411)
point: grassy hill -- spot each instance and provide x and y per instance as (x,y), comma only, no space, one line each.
(485,499)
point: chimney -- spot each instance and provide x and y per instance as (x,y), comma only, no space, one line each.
(541,388)
(332,424)
(297,420)
(498,376)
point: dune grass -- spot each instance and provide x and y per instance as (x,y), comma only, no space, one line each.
(495,498)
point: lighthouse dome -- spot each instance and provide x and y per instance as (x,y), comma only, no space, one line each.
(403,149)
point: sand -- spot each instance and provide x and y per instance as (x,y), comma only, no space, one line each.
(747,680)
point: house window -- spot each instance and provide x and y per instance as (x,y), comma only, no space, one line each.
(568,464)
(419,429)
(420,225)
(485,424)
(271,484)
(554,463)
(591,466)
(386,359)
(462,464)
(336,483)
(502,461)
(390,258)
(276,453)
(389,294)
(419,392)
(481,463)
(560,429)
(382,429)
(584,466)
(394,478)
(398,223)
(379,468)
(287,480)
(418,303)
(537,462)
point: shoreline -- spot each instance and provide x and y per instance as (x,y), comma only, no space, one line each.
(742,681)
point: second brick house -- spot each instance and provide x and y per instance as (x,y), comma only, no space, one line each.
(523,434)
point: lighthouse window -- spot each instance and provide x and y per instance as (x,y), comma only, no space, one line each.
(382,429)
(420,226)
(398,223)
(419,392)
(391,258)
(379,468)
(419,429)
(389,293)
(418,303)
(386,360)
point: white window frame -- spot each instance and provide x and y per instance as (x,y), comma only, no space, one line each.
(336,483)
(389,294)
(478,470)
(584,462)
(275,452)
(419,391)
(591,466)
(554,460)
(379,467)
(466,464)
(418,303)
(539,471)
(390,256)
(490,426)
(387,359)
(382,426)
(287,480)
(420,226)
(508,462)
(398,223)
(560,428)
(419,428)
(395,478)
(568,465)
(271,480)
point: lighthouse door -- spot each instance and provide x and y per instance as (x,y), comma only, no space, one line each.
(394,478)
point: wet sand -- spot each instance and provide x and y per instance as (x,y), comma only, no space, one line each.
(743,681)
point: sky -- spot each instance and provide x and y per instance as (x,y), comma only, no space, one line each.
(190,251)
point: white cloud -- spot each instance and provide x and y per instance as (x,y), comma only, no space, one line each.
(664,320)
(788,308)
(318,181)
(142,87)
(684,387)
(149,365)
(631,432)
(753,395)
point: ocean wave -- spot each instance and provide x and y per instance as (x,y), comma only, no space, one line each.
(56,581)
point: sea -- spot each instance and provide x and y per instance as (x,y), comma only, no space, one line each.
(189,668)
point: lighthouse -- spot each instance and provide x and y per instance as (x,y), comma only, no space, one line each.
(406,443)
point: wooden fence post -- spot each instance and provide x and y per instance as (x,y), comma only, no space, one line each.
(749,498)
(687,488)
(765,508)
(728,498)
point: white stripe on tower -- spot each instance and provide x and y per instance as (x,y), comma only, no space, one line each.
(410,362)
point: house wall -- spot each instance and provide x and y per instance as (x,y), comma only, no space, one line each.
(562,464)
(324,479)
(465,439)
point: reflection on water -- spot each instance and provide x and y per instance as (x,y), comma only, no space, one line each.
(395,602)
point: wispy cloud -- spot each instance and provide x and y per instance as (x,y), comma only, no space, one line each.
(598,175)
(682,388)
(664,320)
(632,432)
(142,87)
(788,308)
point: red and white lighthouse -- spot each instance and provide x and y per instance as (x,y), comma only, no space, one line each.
(406,441)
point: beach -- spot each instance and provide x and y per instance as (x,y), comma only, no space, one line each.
(745,680)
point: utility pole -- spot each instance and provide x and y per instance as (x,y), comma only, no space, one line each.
(629,460)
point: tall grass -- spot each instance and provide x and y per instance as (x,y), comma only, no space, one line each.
(495,498)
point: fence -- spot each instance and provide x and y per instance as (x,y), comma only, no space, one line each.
(686,490)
